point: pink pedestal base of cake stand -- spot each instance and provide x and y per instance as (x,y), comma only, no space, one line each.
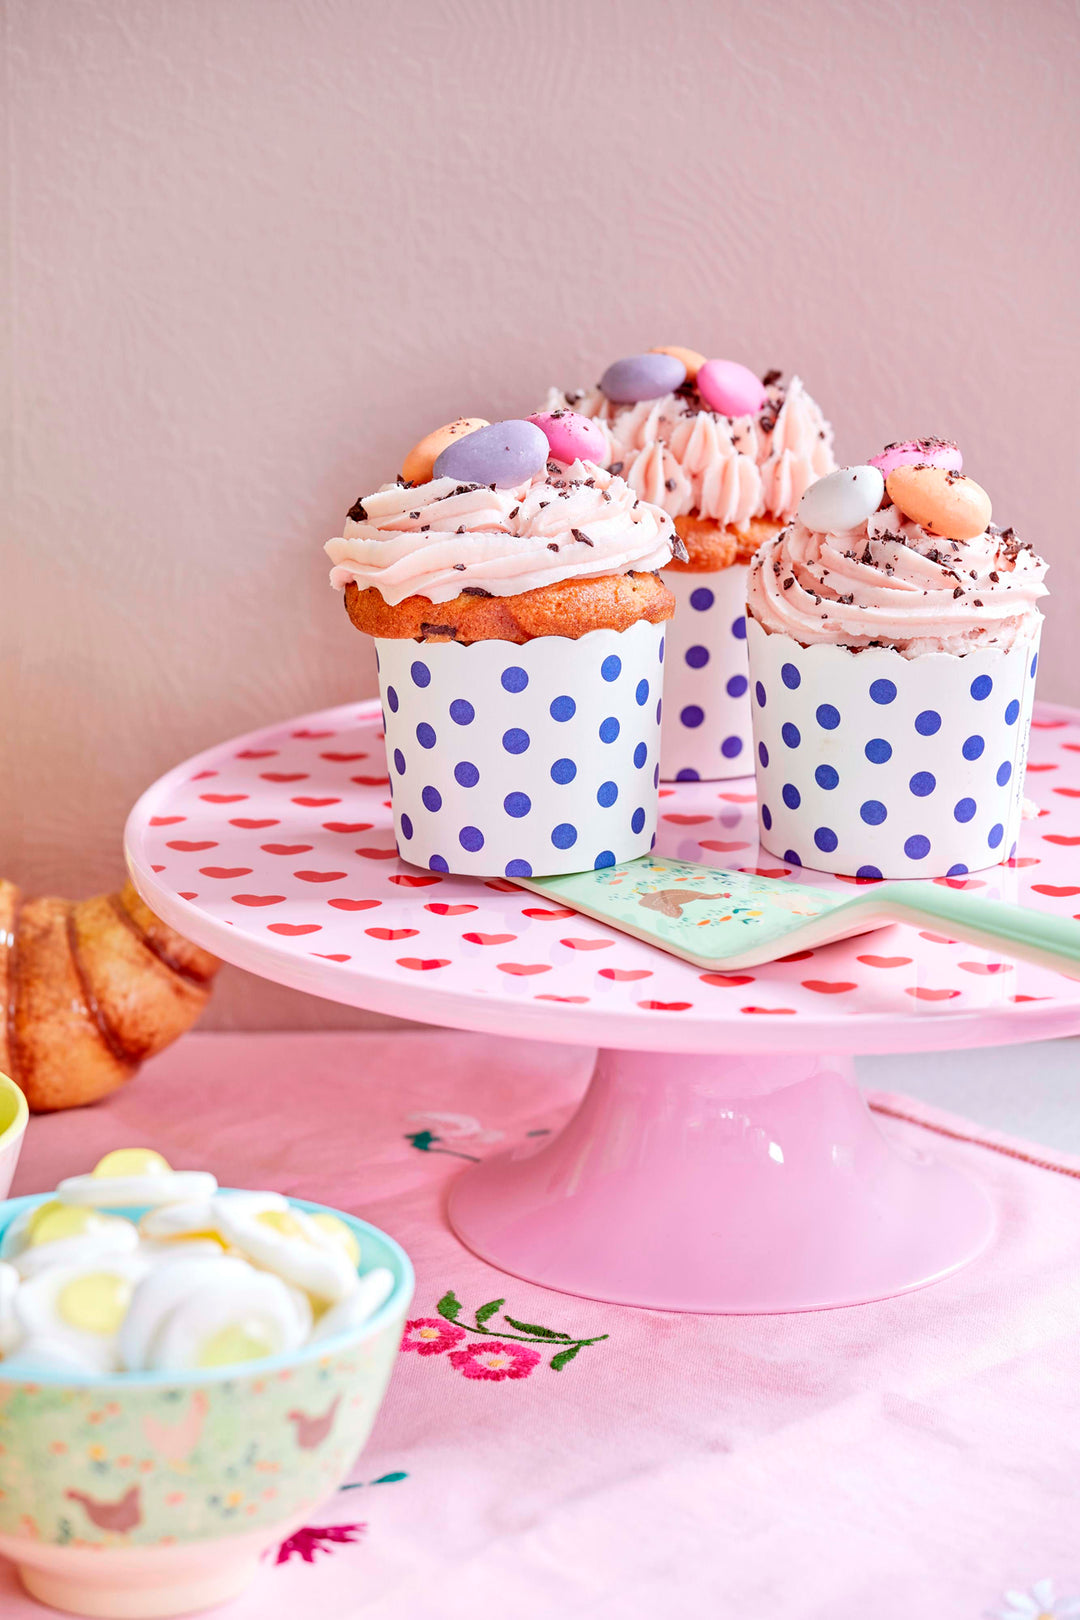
(732,1184)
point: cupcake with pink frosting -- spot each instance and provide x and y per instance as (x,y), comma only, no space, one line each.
(729,457)
(893,634)
(513,589)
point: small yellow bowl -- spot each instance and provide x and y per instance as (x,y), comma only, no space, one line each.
(14,1115)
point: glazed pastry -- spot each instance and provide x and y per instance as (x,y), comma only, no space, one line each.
(91,990)
(893,636)
(518,612)
(728,456)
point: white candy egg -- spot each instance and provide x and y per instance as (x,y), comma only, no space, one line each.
(80,1309)
(52,1234)
(10,1331)
(198,1216)
(842,500)
(210,1313)
(372,1291)
(128,1177)
(316,1253)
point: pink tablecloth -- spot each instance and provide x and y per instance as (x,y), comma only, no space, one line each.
(919,1457)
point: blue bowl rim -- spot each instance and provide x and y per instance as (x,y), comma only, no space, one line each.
(396,1305)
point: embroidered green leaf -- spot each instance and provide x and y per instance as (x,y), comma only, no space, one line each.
(489,1310)
(390,1479)
(449,1307)
(559,1362)
(538,1332)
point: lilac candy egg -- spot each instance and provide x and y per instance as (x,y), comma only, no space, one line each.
(642,376)
(918,453)
(729,388)
(504,454)
(572,437)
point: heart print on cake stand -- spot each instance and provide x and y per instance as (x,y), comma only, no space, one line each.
(722,1158)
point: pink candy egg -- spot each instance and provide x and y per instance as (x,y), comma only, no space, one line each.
(916,453)
(729,388)
(572,437)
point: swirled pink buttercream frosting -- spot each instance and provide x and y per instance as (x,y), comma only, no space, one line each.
(680,455)
(437,539)
(889,583)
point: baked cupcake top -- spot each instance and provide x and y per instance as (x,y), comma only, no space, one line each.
(898,553)
(449,534)
(706,436)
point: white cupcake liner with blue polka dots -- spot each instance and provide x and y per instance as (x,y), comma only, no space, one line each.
(524,761)
(875,765)
(706,733)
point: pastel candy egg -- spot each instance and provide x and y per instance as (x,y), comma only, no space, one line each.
(915,452)
(572,437)
(642,376)
(842,500)
(504,454)
(418,465)
(689,357)
(941,502)
(729,388)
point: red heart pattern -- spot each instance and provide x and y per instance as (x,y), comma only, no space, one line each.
(258,899)
(341,903)
(923,992)
(190,845)
(548,916)
(625,975)
(225,871)
(665,1006)
(423,964)
(726,981)
(392,933)
(884,961)
(348,826)
(489,939)
(441,909)
(587,944)
(287,849)
(524,970)
(828,987)
(291,930)
(320,877)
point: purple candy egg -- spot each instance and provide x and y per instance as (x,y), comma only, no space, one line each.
(504,454)
(642,376)
(729,388)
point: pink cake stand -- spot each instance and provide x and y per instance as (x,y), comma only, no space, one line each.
(723,1158)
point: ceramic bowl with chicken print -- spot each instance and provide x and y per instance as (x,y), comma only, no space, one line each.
(147,1494)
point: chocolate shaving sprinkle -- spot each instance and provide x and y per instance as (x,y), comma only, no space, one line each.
(789,582)
(357,512)
(414,514)
(438,630)
(678,550)
(552,546)
(461,528)
(976,602)
(771,378)
(474,590)
(515,512)
(578,535)
(460,567)
(616,468)
(604,495)
(994,579)
(424,527)
(669,483)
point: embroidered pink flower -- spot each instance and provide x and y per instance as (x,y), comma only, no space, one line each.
(312,1539)
(496,1360)
(430,1335)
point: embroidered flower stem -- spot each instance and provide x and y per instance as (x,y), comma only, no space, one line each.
(565,1345)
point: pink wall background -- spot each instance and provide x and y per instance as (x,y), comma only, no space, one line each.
(257,247)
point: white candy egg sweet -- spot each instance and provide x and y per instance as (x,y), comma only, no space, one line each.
(53,1234)
(80,1310)
(131,1177)
(317,1253)
(842,500)
(210,1313)
(371,1292)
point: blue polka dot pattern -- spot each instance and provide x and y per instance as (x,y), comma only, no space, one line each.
(923,783)
(826,776)
(661,654)
(878,751)
(872,872)
(406,826)
(637,820)
(392,699)
(425,735)
(873,812)
(825,839)
(562,708)
(828,717)
(692,715)
(399,762)
(471,838)
(462,712)
(564,836)
(738,629)
(611,668)
(958,870)
(514,679)
(438,863)
(883,691)
(763,753)
(1012,712)
(736,686)
(697,657)
(731,747)
(766,818)
(641,694)
(688,774)
(759,693)
(981,687)
(792,857)
(790,677)
(606,794)
(641,754)
(995,835)
(421,674)
(917,847)
(432,799)
(1004,771)
(609,729)
(973,747)
(928,723)
(707,682)
(563,771)
(606,857)
(517,805)
(1034,665)
(518,868)
(791,795)
(515,741)
(466,774)
(790,734)
(964,809)
(702,599)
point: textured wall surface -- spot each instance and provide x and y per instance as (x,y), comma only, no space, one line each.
(257,247)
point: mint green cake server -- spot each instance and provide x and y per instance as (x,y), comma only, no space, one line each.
(720,919)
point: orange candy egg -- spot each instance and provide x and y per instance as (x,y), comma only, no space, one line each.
(689,357)
(942,502)
(418,464)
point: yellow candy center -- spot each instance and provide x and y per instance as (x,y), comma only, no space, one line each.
(282,1221)
(132,1162)
(239,1341)
(96,1302)
(341,1234)
(52,1222)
